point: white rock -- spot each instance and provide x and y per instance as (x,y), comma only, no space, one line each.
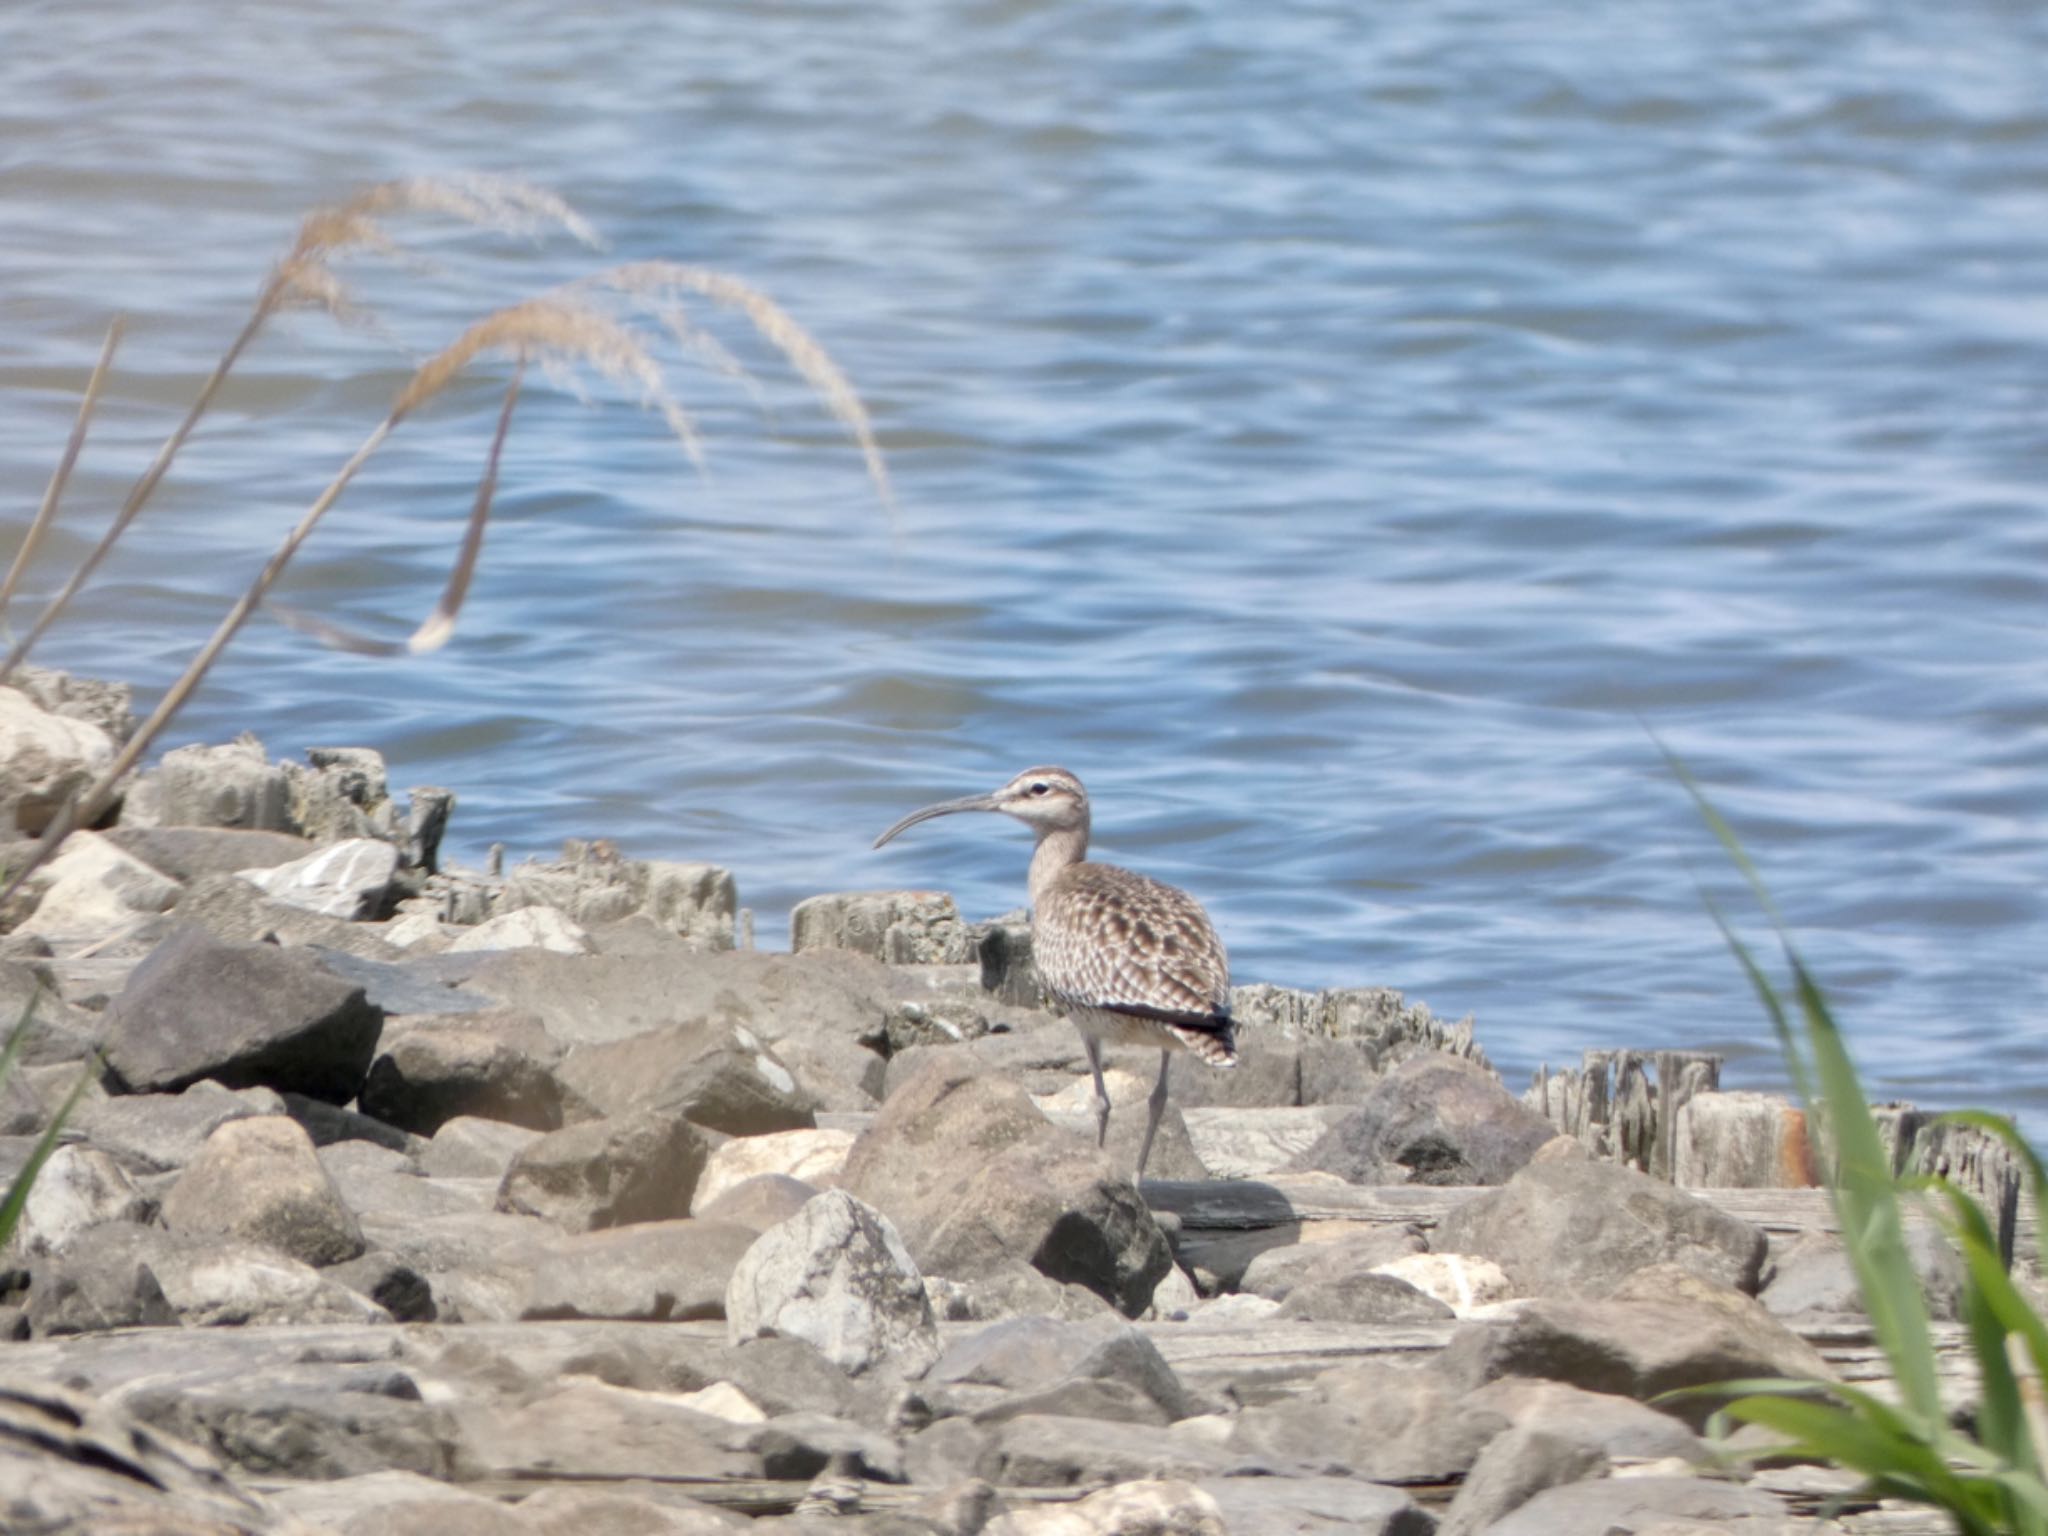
(838,1276)
(344,879)
(1175,1293)
(233,1284)
(415,928)
(1461,1281)
(810,1155)
(43,759)
(1238,1307)
(1162,1507)
(1078,1097)
(723,1400)
(79,1187)
(92,888)
(547,928)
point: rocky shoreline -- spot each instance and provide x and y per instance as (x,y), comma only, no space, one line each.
(416,1200)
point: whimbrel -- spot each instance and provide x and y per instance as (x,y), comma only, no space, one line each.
(1129,960)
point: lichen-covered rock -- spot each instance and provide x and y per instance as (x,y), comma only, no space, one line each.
(837,1275)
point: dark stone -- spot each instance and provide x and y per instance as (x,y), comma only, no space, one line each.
(242,1014)
(1432,1120)
(392,1283)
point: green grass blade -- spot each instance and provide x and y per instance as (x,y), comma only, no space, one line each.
(24,1181)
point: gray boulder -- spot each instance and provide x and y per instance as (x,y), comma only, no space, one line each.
(498,1065)
(472,1147)
(152,1133)
(1636,1348)
(1517,1465)
(1432,1120)
(44,760)
(760,1202)
(242,1014)
(1388,1423)
(350,880)
(1361,1296)
(260,1180)
(721,1076)
(837,1275)
(1275,1272)
(79,1187)
(608,1173)
(1314,1506)
(974,1177)
(103,1279)
(1627,1504)
(191,853)
(1102,1368)
(1812,1273)
(1566,1226)
(1043,1450)
(655,1271)
(235,785)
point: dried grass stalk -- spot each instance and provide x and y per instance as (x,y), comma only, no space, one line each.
(47,512)
(303,277)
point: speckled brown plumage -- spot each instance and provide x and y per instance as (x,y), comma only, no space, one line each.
(1134,961)
(1129,960)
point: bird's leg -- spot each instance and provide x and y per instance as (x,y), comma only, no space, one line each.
(1094,1048)
(1156,1106)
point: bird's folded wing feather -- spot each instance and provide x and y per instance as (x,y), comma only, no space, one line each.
(1108,938)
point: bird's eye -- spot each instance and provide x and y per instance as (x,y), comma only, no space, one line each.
(1041,788)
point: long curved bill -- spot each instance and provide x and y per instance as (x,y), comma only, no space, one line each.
(943,808)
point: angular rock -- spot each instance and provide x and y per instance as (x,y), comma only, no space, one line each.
(293,1423)
(1432,1120)
(642,1509)
(1644,1504)
(102,1279)
(79,1187)
(1388,1423)
(547,928)
(497,1065)
(1566,1227)
(1037,1358)
(896,927)
(838,1276)
(811,1156)
(1150,1508)
(478,1267)
(350,880)
(1314,1506)
(1616,1427)
(1362,1296)
(70,1463)
(1517,1465)
(157,1132)
(585,1429)
(229,786)
(1812,1273)
(192,853)
(757,1203)
(975,1177)
(1636,1349)
(1053,1451)
(391,1283)
(91,889)
(1275,1272)
(242,1014)
(44,760)
(476,1148)
(259,1180)
(230,908)
(718,1075)
(341,794)
(608,1173)
(656,1271)
(217,1282)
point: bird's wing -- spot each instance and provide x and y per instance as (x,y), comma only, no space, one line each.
(1109,938)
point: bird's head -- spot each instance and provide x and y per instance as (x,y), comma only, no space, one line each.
(1044,799)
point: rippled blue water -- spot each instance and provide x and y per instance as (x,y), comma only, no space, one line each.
(1334,431)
